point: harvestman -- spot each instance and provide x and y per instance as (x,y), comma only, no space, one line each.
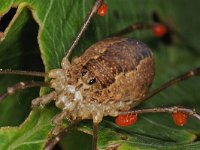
(109,79)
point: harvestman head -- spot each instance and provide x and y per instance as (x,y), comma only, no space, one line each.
(109,79)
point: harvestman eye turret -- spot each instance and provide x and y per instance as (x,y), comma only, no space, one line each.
(109,79)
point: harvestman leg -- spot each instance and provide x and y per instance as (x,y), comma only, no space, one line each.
(40,101)
(20,86)
(164,110)
(57,120)
(24,73)
(94,137)
(43,100)
(55,139)
(143,26)
(84,26)
(132,28)
(185,76)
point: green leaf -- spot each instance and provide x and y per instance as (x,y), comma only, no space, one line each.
(45,29)
(30,135)
(19,52)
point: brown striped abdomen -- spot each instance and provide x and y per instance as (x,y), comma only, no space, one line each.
(118,57)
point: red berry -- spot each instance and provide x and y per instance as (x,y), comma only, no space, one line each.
(159,30)
(126,120)
(102,10)
(179,118)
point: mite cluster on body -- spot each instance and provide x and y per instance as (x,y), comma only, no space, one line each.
(109,79)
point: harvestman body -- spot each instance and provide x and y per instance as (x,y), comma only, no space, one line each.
(109,79)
